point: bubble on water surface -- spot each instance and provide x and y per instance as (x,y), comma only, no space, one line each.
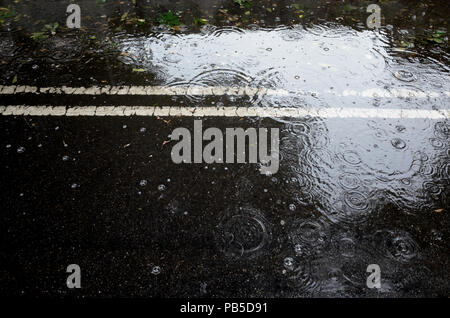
(288,263)
(156,270)
(396,244)
(404,76)
(398,143)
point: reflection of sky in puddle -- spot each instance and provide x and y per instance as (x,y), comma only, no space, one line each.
(352,167)
(334,62)
(348,168)
(347,171)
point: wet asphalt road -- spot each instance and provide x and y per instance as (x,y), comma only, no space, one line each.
(103,192)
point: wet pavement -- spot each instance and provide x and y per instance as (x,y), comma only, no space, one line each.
(103,192)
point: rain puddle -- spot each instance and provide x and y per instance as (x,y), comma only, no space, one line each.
(350,191)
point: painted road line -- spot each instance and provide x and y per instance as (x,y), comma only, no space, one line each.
(173,111)
(194,90)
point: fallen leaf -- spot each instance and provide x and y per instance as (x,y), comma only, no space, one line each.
(438,210)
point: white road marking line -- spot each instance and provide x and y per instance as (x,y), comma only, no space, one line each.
(194,90)
(174,111)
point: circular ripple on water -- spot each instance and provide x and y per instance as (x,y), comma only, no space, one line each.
(294,33)
(395,244)
(318,135)
(299,189)
(378,132)
(172,56)
(442,130)
(317,159)
(427,169)
(351,157)
(299,128)
(300,274)
(243,234)
(356,200)
(309,132)
(405,76)
(352,208)
(398,143)
(217,32)
(219,77)
(437,143)
(310,233)
(349,181)
(271,78)
(136,50)
(330,30)
(344,244)
(432,189)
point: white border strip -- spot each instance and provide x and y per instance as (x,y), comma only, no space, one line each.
(193,90)
(172,111)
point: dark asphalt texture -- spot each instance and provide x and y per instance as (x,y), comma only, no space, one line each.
(118,230)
